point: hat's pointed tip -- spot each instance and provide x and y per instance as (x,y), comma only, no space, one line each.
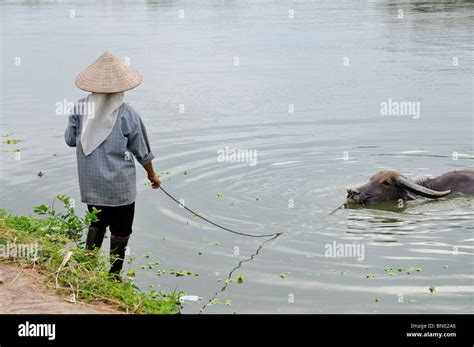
(107,55)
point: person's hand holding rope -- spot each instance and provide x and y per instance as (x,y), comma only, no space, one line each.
(152,176)
(155,181)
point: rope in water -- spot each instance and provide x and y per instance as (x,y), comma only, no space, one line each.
(239,265)
(338,208)
(215,224)
(271,237)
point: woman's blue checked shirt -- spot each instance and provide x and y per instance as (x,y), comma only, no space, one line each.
(107,176)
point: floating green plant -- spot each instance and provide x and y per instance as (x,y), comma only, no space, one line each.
(240,279)
(342,272)
(11,141)
(226,302)
(182,273)
(391,271)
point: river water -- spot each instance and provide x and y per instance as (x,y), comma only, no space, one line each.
(302,84)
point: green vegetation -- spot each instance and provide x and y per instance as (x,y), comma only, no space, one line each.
(70,269)
(240,279)
(11,141)
(393,271)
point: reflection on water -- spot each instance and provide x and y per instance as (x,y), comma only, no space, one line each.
(314,121)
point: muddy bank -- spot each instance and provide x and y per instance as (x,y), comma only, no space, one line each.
(22,291)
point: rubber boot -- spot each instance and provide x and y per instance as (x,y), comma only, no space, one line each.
(95,236)
(117,254)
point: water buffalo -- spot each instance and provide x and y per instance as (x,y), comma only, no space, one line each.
(391,185)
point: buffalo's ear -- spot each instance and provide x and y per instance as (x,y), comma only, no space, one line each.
(406,195)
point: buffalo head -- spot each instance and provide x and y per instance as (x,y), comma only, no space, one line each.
(389,185)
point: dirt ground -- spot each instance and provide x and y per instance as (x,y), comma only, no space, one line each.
(22,291)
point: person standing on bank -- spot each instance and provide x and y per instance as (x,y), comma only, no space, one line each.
(106,132)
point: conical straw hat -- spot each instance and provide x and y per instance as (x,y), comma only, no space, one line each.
(108,75)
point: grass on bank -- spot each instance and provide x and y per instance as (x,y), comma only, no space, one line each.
(69,268)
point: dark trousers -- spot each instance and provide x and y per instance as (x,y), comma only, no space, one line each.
(119,219)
